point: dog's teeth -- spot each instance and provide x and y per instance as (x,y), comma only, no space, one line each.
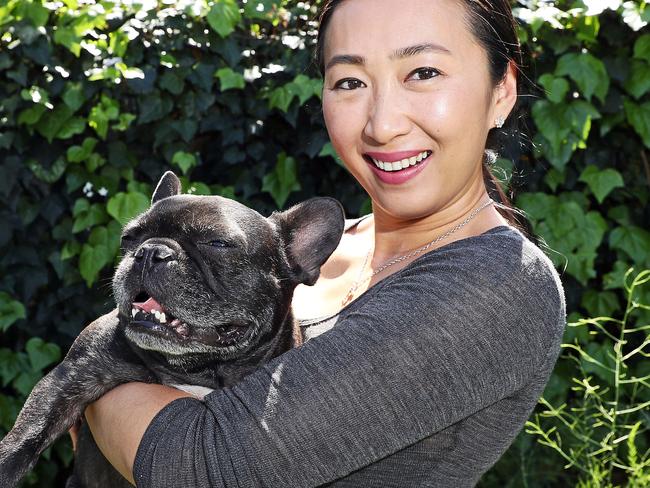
(162,318)
(134,312)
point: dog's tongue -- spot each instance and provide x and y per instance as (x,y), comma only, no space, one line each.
(149,306)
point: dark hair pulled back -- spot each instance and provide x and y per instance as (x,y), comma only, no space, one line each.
(495,28)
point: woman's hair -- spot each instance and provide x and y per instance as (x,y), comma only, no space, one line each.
(494,26)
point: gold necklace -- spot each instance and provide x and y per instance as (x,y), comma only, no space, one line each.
(358,282)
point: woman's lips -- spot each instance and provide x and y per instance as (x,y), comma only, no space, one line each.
(398,167)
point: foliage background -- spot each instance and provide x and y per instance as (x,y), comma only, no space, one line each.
(98,98)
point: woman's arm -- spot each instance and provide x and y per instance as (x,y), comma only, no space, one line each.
(445,339)
(119,418)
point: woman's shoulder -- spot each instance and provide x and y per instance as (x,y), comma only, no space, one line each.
(498,274)
(502,254)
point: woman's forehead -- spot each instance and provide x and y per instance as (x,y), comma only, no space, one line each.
(383,27)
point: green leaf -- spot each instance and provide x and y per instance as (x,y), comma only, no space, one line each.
(638,83)
(632,240)
(71,127)
(556,88)
(283,180)
(73,96)
(68,38)
(10,311)
(602,182)
(76,154)
(54,121)
(639,117)
(184,160)
(172,81)
(31,115)
(123,122)
(281,98)
(35,12)
(573,236)
(600,304)
(100,250)
(87,215)
(107,110)
(224,16)
(49,175)
(642,47)
(230,79)
(124,206)
(588,72)
(41,354)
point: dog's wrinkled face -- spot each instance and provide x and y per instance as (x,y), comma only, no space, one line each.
(206,275)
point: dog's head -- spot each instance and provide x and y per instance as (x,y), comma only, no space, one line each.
(208,276)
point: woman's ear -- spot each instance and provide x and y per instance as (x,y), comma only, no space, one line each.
(504,96)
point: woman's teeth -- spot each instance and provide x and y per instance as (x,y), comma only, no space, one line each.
(402,164)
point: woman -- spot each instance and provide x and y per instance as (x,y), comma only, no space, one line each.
(436,324)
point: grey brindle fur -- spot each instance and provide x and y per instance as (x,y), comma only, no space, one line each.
(218,267)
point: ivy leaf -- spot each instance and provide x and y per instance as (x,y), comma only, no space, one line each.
(48,175)
(638,83)
(601,183)
(224,15)
(283,180)
(107,110)
(76,154)
(41,354)
(632,240)
(10,311)
(87,215)
(124,206)
(71,127)
(172,82)
(53,122)
(184,160)
(31,115)
(588,72)
(642,47)
(281,98)
(556,88)
(73,96)
(100,250)
(639,117)
(600,304)
(230,79)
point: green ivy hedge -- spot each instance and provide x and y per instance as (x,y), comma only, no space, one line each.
(98,98)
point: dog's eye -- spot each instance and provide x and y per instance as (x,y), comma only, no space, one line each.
(127,238)
(218,243)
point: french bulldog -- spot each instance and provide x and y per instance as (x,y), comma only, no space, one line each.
(203,294)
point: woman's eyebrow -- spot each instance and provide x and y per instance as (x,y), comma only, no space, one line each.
(401,53)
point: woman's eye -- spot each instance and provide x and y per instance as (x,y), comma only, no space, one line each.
(424,74)
(348,84)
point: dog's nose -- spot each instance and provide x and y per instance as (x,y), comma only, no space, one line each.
(154,253)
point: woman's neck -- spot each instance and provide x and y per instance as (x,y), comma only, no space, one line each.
(394,236)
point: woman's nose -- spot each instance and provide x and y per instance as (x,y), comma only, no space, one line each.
(387,117)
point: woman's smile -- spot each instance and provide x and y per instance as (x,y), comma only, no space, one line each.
(397,167)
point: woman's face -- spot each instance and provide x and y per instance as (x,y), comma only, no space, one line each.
(406,83)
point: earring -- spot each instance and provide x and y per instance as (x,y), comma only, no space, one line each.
(499,121)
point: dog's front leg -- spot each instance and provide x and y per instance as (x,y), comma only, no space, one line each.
(98,360)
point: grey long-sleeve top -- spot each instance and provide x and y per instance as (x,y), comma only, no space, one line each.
(424,380)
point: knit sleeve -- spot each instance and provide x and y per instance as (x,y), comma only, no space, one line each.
(435,345)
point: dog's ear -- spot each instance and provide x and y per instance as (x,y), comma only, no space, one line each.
(311,230)
(168,186)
